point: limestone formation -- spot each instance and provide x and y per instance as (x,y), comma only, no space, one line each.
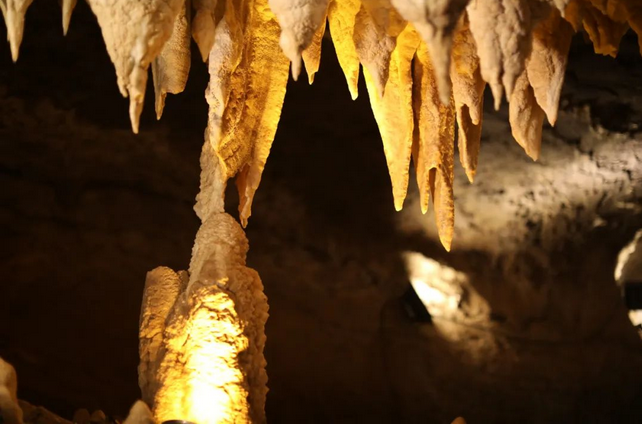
(10,411)
(426,64)
(14,18)
(512,45)
(171,68)
(139,414)
(300,21)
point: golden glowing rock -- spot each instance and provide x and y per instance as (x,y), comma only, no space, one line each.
(162,288)
(204,25)
(393,112)
(134,33)
(14,18)
(433,146)
(341,20)
(139,414)
(547,62)
(374,46)
(312,54)
(171,68)
(468,95)
(248,77)
(202,341)
(67,9)
(435,20)
(268,76)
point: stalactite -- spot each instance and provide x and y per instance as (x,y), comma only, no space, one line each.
(436,22)
(468,95)
(341,20)
(204,25)
(67,9)
(171,68)
(299,20)
(433,145)
(603,32)
(526,117)
(426,64)
(393,111)
(312,54)
(501,30)
(134,34)
(14,12)
(547,62)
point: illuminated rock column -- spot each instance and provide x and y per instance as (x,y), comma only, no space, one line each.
(202,335)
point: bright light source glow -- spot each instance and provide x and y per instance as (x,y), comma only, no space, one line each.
(439,287)
(208,386)
(629,269)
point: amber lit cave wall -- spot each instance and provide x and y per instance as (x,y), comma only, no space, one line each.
(527,320)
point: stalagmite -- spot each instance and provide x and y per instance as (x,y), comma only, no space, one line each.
(139,414)
(162,288)
(134,33)
(67,9)
(14,18)
(171,68)
(547,62)
(299,20)
(393,112)
(10,412)
(433,146)
(526,117)
(204,25)
(468,95)
(210,366)
(341,20)
(312,55)
(435,20)
(501,30)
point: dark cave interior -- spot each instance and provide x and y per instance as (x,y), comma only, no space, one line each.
(539,333)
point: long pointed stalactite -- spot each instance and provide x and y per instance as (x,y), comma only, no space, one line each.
(426,64)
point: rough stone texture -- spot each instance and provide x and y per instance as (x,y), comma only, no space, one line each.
(10,412)
(87,209)
(202,340)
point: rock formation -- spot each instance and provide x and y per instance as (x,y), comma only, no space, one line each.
(426,65)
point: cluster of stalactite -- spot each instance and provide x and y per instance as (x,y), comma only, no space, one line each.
(425,62)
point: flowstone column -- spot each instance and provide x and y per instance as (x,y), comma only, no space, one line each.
(202,333)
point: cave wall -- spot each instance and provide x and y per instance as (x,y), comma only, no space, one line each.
(541,335)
